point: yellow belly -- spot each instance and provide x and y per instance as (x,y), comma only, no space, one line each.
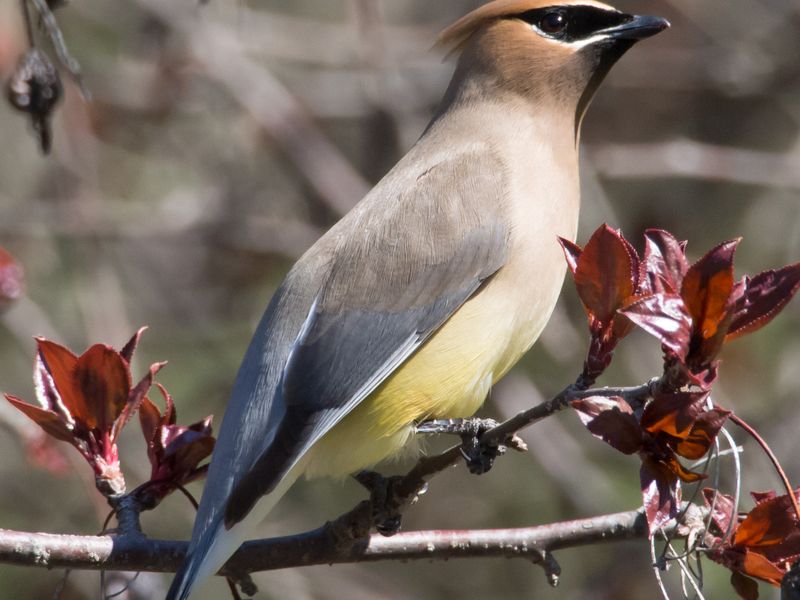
(448,377)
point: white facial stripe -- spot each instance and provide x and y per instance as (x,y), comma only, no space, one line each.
(588,41)
(578,44)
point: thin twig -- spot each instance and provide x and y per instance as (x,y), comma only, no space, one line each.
(686,572)
(657,568)
(562,401)
(125,587)
(775,462)
(188,496)
(26,15)
(111,513)
(738,489)
(61,585)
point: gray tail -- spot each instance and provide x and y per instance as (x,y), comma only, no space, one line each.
(184,579)
(199,564)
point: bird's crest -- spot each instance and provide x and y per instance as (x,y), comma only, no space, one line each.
(453,38)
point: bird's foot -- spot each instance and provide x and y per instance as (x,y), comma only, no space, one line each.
(386,515)
(460,427)
(479,455)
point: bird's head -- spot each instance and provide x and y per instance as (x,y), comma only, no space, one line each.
(545,50)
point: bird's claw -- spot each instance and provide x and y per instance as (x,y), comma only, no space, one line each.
(479,455)
(386,516)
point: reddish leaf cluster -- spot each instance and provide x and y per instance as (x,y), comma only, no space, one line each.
(694,309)
(175,451)
(86,401)
(671,425)
(762,545)
(11,279)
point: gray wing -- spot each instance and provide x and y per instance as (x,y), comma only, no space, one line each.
(395,270)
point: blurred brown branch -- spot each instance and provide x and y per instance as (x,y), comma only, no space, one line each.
(270,104)
(686,158)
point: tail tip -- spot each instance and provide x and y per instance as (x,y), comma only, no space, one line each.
(181,585)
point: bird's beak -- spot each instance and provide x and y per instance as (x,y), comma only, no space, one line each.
(637,28)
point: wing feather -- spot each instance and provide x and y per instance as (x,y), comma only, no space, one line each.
(407,264)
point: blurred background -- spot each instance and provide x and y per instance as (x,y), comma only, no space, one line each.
(224,138)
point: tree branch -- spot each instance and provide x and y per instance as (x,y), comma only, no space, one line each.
(137,553)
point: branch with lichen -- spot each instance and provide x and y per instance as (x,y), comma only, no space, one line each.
(135,552)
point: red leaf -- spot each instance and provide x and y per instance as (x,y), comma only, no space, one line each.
(675,467)
(150,420)
(192,446)
(174,450)
(606,273)
(763,298)
(723,508)
(129,348)
(174,437)
(622,325)
(785,553)
(11,278)
(664,265)
(135,398)
(49,421)
(702,435)
(46,393)
(759,566)
(170,416)
(104,381)
(760,497)
(665,317)
(746,588)
(660,492)
(611,420)
(572,252)
(769,523)
(707,289)
(59,364)
(673,413)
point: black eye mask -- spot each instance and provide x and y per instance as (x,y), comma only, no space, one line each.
(573,23)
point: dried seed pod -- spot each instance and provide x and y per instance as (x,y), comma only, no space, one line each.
(35,88)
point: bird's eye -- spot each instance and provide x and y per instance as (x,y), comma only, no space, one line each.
(553,23)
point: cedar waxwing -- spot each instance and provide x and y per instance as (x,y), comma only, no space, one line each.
(422,297)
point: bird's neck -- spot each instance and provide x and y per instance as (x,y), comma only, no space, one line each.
(537,147)
(474,88)
(477,105)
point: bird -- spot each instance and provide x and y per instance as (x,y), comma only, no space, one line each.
(434,285)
